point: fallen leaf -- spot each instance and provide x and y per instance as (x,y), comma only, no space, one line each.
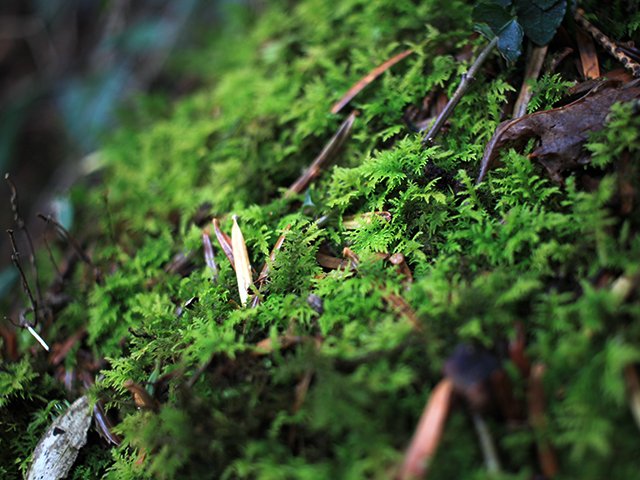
(562,131)
(58,448)
(243,267)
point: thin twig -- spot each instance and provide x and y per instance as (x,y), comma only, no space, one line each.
(74,243)
(22,226)
(15,258)
(488,447)
(324,158)
(532,73)
(467,80)
(606,42)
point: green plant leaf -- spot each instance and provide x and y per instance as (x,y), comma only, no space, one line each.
(544,4)
(510,40)
(503,3)
(495,16)
(540,25)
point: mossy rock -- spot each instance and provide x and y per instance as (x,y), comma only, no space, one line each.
(343,400)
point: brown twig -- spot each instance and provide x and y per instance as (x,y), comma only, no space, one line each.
(324,158)
(606,42)
(367,79)
(532,73)
(74,243)
(21,225)
(467,80)
(15,258)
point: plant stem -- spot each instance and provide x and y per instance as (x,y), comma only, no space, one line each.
(467,80)
(533,71)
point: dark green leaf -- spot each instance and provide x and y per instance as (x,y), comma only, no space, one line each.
(493,15)
(544,4)
(540,25)
(510,40)
(484,30)
(503,3)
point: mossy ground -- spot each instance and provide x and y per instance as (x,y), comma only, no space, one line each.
(517,248)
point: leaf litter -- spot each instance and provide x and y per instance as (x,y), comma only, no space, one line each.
(561,132)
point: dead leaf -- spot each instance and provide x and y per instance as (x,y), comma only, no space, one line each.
(225,242)
(58,448)
(243,267)
(588,56)
(562,132)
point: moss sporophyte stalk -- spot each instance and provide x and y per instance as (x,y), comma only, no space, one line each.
(349,296)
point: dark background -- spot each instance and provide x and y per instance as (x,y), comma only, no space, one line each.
(66,67)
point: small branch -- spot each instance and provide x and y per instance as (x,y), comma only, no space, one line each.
(22,226)
(489,451)
(74,243)
(532,73)
(466,82)
(15,258)
(606,42)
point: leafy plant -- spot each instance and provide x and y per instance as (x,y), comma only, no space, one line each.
(510,20)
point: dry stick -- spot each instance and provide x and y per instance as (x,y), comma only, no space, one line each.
(67,236)
(324,158)
(488,447)
(15,258)
(533,71)
(367,79)
(21,225)
(466,82)
(606,42)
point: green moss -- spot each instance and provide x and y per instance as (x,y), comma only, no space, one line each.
(517,248)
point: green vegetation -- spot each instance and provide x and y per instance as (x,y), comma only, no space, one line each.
(563,261)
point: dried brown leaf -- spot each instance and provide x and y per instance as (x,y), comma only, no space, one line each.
(562,131)
(241,256)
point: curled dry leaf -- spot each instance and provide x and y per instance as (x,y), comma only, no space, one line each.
(224,241)
(427,436)
(562,132)
(243,268)
(142,398)
(58,448)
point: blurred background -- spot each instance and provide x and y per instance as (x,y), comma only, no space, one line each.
(66,68)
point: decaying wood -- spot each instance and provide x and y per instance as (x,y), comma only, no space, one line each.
(58,448)
(562,131)
(367,79)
